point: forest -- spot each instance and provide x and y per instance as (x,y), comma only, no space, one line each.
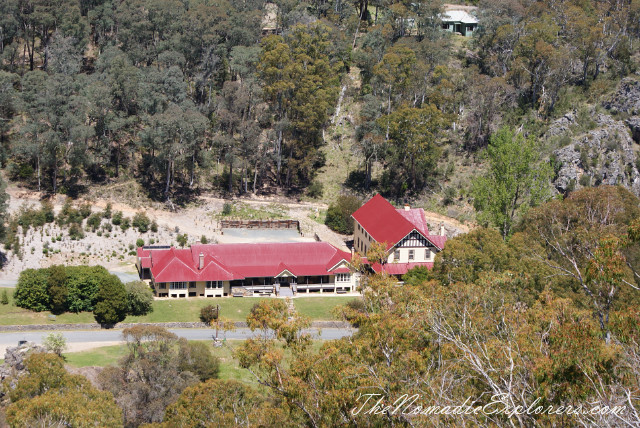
(190,96)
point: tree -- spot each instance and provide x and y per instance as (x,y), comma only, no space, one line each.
(49,396)
(31,290)
(377,253)
(57,289)
(413,136)
(182,239)
(300,81)
(111,302)
(149,377)
(141,222)
(227,402)
(83,283)
(56,343)
(139,298)
(579,239)
(339,214)
(516,180)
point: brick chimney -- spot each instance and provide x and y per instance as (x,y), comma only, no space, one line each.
(201,261)
(407,207)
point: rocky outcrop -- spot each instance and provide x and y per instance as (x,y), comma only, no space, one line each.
(634,125)
(603,155)
(626,99)
(13,366)
(561,126)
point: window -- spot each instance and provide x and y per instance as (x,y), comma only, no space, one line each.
(162,285)
(412,254)
(192,285)
(177,285)
(427,254)
(396,255)
(214,284)
(445,26)
(343,277)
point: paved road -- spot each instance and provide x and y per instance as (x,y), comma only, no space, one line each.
(95,337)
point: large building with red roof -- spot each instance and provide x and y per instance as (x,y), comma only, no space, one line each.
(404,232)
(216,270)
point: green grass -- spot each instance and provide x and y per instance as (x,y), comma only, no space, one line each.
(242,211)
(229,367)
(101,357)
(320,308)
(175,310)
(110,356)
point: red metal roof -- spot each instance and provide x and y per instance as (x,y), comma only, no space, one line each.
(387,224)
(238,261)
(399,268)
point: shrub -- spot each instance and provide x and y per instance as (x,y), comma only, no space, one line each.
(315,190)
(139,298)
(75,232)
(449,195)
(227,208)
(196,357)
(141,222)
(585,180)
(154,226)
(107,211)
(112,304)
(339,214)
(182,239)
(5,298)
(55,342)
(125,224)
(139,242)
(85,209)
(94,221)
(204,240)
(116,219)
(208,314)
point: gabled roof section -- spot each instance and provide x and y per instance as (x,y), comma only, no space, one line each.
(390,225)
(382,221)
(416,217)
(459,16)
(227,262)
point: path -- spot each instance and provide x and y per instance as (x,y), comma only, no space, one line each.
(77,340)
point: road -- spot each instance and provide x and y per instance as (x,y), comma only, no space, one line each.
(85,339)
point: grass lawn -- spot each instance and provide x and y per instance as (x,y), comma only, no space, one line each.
(109,355)
(175,310)
(320,308)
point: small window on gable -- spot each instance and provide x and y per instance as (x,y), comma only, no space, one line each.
(412,254)
(396,255)
(427,254)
